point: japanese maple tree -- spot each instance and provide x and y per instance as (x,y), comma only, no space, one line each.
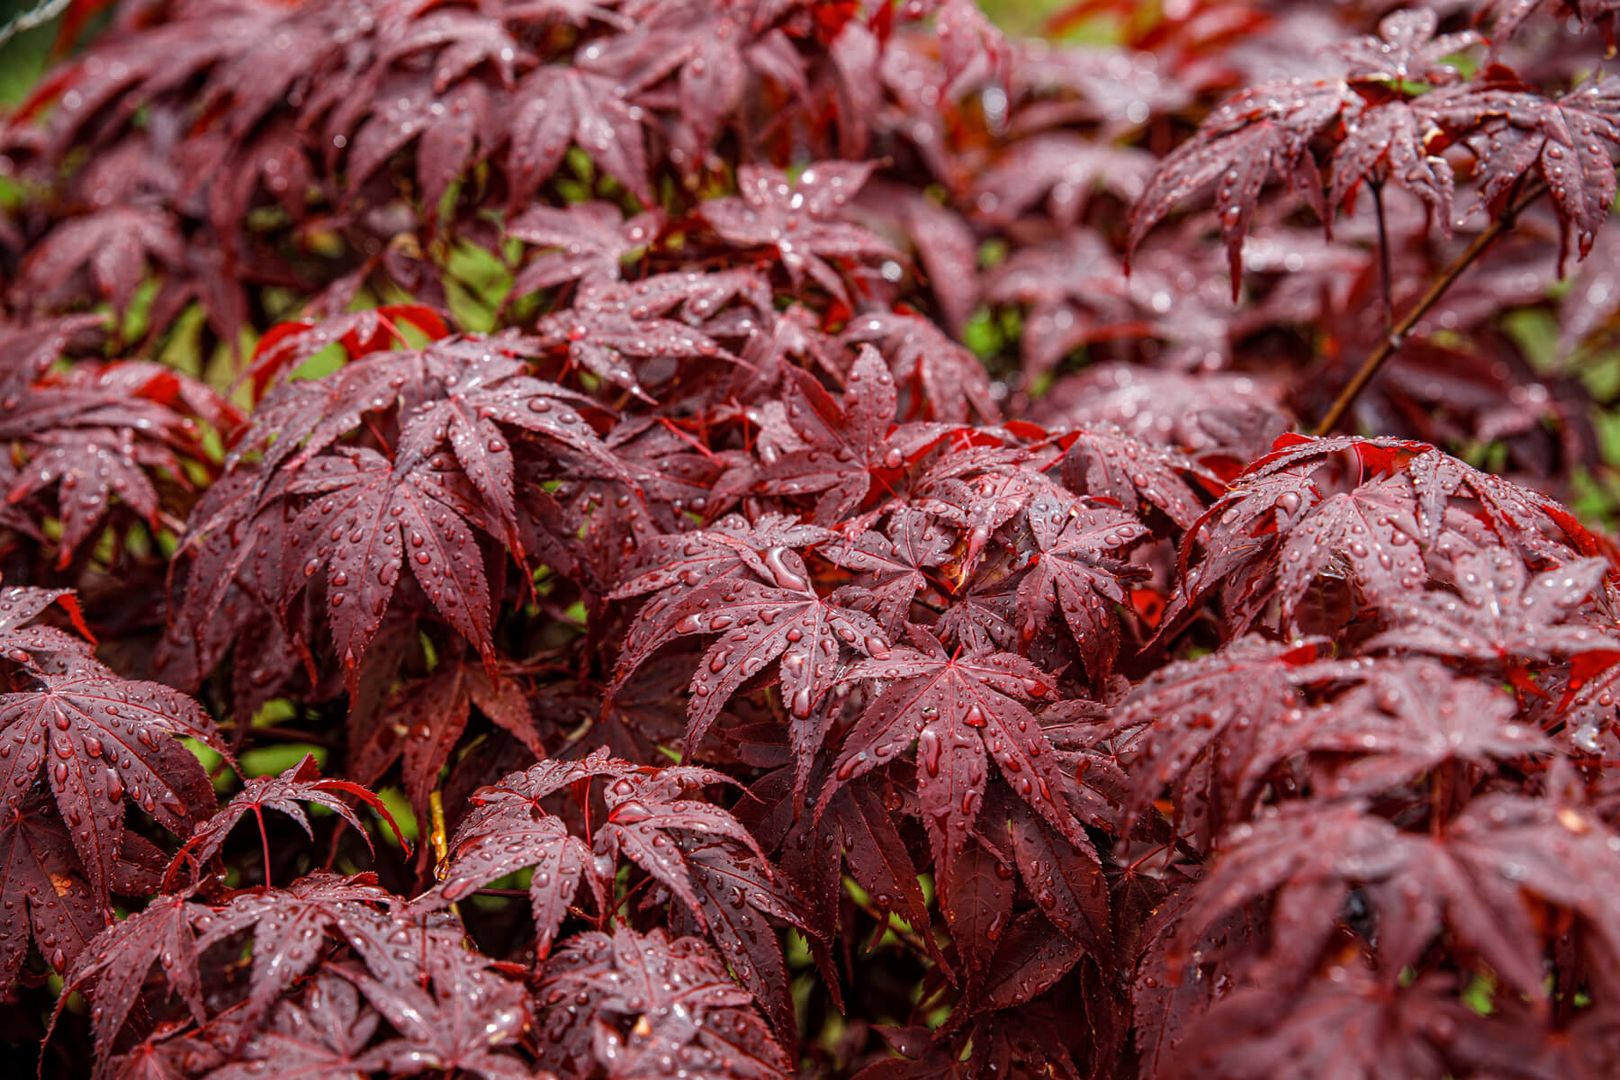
(625,538)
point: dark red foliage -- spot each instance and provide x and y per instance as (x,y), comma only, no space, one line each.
(629,1005)
(301,783)
(784,497)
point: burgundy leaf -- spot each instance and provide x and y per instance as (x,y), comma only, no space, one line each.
(367,517)
(783,621)
(556,106)
(508,830)
(612,324)
(448,1008)
(957,711)
(799,218)
(22,642)
(1079,567)
(1406,50)
(897,565)
(115,248)
(1244,691)
(118,960)
(590,240)
(1108,464)
(1261,1030)
(42,891)
(292,927)
(1499,612)
(99,741)
(283,793)
(1568,141)
(321,1033)
(1257,134)
(976,895)
(621,1004)
(430,715)
(947,382)
(847,445)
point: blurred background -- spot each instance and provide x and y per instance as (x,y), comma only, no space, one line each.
(25,55)
(1518,372)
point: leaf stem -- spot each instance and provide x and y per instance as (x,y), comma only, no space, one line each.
(264,844)
(1396,337)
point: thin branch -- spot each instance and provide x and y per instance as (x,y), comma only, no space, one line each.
(24,21)
(1397,335)
(1385,278)
(437,840)
(436,833)
(909,937)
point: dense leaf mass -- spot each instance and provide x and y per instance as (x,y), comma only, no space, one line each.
(752,538)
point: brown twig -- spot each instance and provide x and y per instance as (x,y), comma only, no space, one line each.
(1386,281)
(1396,337)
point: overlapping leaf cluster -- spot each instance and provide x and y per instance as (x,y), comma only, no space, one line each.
(749,586)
